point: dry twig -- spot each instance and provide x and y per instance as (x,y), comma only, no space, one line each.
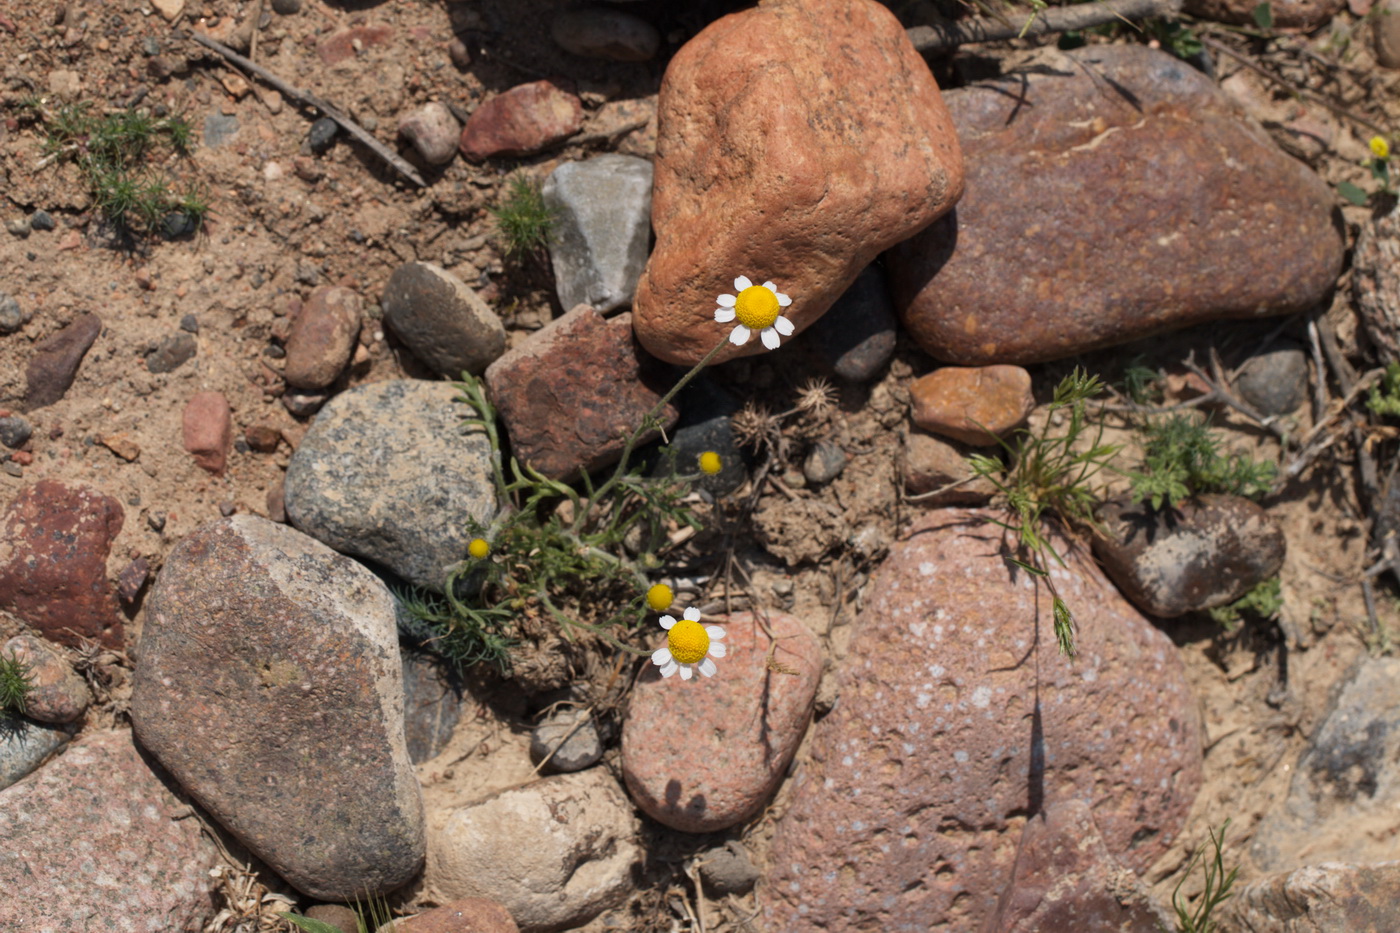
(950,35)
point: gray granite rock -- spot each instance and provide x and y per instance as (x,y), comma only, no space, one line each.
(444,322)
(856,337)
(12,316)
(568,743)
(432,704)
(1276,381)
(602,229)
(15,431)
(219,130)
(98,841)
(388,473)
(172,353)
(25,743)
(269,685)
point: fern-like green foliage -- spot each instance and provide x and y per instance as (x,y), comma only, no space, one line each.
(1181,457)
(1197,918)
(1262,602)
(1384,399)
(1048,472)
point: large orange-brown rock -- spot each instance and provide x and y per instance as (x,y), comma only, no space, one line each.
(796,141)
(1113,192)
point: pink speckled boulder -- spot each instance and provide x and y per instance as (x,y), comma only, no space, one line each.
(796,140)
(95,841)
(957,716)
(704,755)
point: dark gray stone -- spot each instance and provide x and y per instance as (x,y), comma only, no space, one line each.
(574,745)
(25,743)
(172,353)
(704,426)
(219,129)
(856,337)
(824,462)
(178,224)
(728,869)
(42,220)
(1276,381)
(602,209)
(12,318)
(321,136)
(602,32)
(445,323)
(254,629)
(386,472)
(190,324)
(286,7)
(432,703)
(14,431)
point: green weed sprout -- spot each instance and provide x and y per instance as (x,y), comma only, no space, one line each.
(370,916)
(1050,474)
(1379,164)
(1182,458)
(1262,602)
(15,686)
(116,153)
(1384,399)
(557,553)
(525,221)
(1197,919)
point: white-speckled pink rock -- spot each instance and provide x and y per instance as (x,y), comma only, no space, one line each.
(957,717)
(704,755)
(95,841)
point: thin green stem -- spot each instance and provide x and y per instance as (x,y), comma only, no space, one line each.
(567,622)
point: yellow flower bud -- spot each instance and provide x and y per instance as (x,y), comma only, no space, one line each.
(479,548)
(710,462)
(660,597)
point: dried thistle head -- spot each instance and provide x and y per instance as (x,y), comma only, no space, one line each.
(816,397)
(755,426)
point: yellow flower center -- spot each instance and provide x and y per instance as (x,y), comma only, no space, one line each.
(688,641)
(1380,148)
(756,307)
(659,597)
(478,548)
(710,462)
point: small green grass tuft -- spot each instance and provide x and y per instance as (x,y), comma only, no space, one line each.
(525,222)
(1262,602)
(15,686)
(1181,458)
(1197,918)
(1384,399)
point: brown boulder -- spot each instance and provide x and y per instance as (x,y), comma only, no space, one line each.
(796,141)
(323,337)
(956,716)
(1112,193)
(572,394)
(975,405)
(54,543)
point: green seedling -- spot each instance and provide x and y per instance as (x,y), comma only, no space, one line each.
(525,222)
(16,684)
(1384,399)
(1263,602)
(1197,918)
(1181,458)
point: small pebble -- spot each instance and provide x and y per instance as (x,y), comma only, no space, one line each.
(11,317)
(824,463)
(286,7)
(190,324)
(304,404)
(172,353)
(18,227)
(577,751)
(459,53)
(156,520)
(728,869)
(15,431)
(42,220)
(322,135)
(227,508)
(178,224)
(12,469)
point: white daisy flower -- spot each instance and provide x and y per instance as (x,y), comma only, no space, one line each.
(689,646)
(758,308)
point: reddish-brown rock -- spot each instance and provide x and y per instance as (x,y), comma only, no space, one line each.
(344,44)
(58,694)
(207,426)
(54,543)
(972,404)
(469,915)
(938,468)
(1288,14)
(797,140)
(1113,192)
(56,358)
(741,729)
(572,394)
(1065,879)
(956,715)
(323,337)
(526,119)
(96,840)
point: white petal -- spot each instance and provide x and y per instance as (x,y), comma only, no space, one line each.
(661,657)
(742,282)
(739,336)
(687,671)
(784,326)
(707,667)
(714,631)
(769,336)
(670,669)
(771,287)
(692,614)
(783,300)
(667,622)
(726,301)
(717,649)
(724,315)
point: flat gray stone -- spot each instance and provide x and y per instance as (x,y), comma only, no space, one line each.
(602,229)
(387,472)
(446,324)
(269,685)
(25,743)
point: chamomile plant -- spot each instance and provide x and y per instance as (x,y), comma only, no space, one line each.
(556,556)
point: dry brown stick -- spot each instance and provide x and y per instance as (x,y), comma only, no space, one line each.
(1056,19)
(351,127)
(1302,92)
